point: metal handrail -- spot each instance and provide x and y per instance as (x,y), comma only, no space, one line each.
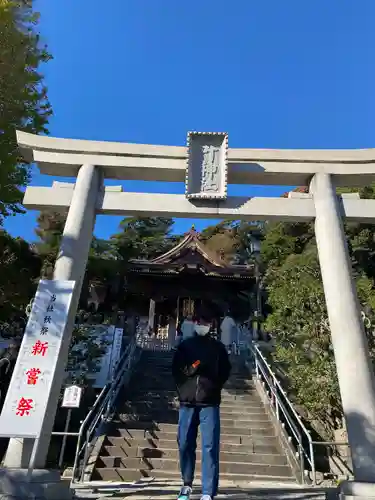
(101,410)
(290,415)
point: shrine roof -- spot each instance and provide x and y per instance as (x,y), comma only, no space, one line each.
(192,254)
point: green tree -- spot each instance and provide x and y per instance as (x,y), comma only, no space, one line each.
(143,237)
(299,318)
(107,264)
(233,238)
(49,231)
(84,355)
(20,268)
(23,98)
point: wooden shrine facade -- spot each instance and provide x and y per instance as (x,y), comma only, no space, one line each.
(189,275)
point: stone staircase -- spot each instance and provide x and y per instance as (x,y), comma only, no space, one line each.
(141,440)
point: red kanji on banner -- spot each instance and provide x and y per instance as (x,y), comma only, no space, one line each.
(39,348)
(24,406)
(33,375)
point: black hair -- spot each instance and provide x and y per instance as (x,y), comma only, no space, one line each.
(204,314)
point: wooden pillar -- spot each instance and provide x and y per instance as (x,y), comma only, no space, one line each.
(151,315)
(178,311)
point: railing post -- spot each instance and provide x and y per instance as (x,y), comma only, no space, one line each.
(302,462)
(275,401)
(277,409)
(312,459)
(256,366)
(85,456)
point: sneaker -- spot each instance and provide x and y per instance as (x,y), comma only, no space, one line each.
(206,497)
(185,493)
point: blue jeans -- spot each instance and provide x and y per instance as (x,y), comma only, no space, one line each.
(208,418)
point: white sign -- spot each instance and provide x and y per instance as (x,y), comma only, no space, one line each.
(207,165)
(104,365)
(116,350)
(30,387)
(72,397)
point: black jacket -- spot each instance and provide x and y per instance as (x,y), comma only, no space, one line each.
(200,369)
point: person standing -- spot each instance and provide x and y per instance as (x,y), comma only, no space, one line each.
(200,369)
(228,330)
(188,327)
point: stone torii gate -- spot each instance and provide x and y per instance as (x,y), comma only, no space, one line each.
(206,165)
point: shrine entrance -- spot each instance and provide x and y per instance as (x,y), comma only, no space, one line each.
(206,165)
(176,284)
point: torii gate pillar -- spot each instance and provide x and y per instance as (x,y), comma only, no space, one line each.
(70,265)
(353,364)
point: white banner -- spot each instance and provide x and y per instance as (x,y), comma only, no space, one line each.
(30,387)
(116,350)
(103,333)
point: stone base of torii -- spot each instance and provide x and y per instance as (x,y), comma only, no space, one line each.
(18,484)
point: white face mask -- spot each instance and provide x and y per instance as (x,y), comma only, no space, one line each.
(202,329)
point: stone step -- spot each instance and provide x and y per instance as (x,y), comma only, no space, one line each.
(227,397)
(172,465)
(165,383)
(261,428)
(231,394)
(264,490)
(263,473)
(157,372)
(239,407)
(143,376)
(226,456)
(163,421)
(165,401)
(226,410)
(232,444)
(141,441)
(226,437)
(152,386)
(171,415)
(166,376)
(246,382)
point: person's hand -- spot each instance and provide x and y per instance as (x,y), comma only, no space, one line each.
(193,368)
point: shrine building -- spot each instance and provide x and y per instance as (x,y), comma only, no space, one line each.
(190,275)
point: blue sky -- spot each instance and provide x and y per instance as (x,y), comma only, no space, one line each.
(273,74)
